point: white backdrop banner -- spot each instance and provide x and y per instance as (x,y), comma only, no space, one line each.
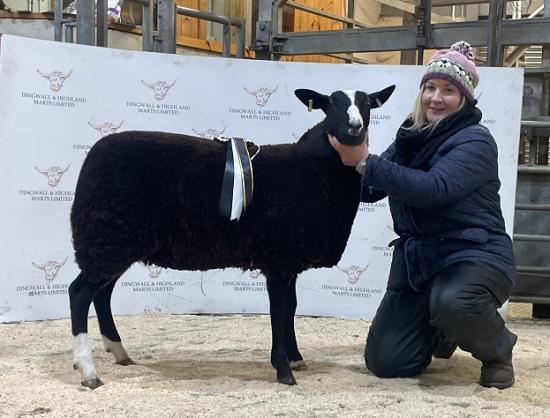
(57,100)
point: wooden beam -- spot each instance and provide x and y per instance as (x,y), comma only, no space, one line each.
(211,46)
(323,13)
(442,3)
(411,7)
(409,56)
(518,51)
(400,5)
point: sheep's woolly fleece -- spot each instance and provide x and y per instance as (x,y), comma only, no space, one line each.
(218,366)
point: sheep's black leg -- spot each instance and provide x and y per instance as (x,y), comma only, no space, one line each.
(277,290)
(111,338)
(81,294)
(296,360)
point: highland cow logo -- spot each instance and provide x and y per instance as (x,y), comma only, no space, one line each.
(56,79)
(50,269)
(154,270)
(53,174)
(106,128)
(160,88)
(263,94)
(255,274)
(210,133)
(353,272)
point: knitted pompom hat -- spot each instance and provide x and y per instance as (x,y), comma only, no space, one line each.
(455,65)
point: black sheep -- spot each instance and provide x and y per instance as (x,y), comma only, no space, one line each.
(153,197)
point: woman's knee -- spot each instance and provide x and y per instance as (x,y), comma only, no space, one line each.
(467,290)
(451,304)
(445,307)
(385,360)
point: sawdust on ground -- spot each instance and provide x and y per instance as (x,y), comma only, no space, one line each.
(218,366)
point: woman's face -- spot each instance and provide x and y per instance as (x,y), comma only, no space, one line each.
(440,98)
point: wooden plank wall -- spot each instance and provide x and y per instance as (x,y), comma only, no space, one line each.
(196,28)
(192,32)
(300,21)
(190,26)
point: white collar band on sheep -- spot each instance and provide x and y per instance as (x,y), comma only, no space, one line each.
(238,180)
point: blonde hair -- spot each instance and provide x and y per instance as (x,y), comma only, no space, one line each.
(418,116)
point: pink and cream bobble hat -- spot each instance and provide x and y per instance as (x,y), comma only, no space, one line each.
(455,65)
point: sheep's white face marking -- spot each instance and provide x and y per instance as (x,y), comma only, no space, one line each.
(355,118)
(82,357)
(347,111)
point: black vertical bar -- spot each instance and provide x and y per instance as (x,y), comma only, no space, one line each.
(424,28)
(69,33)
(57,18)
(226,40)
(85,22)
(102,25)
(350,15)
(148,26)
(167,26)
(262,30)
(240,41)
(495,49)
(545,99)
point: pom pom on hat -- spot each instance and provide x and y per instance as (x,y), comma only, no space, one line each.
(464,48)
(455,65)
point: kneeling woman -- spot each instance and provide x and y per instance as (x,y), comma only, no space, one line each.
(453,263)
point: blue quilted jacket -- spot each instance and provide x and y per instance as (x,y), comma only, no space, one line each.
(448,213)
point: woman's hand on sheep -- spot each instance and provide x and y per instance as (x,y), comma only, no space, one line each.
(350,155)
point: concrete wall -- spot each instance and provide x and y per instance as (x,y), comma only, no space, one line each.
(43,29)
(29,28)
(38,6)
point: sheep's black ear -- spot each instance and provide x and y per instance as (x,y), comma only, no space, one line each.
(379,98)
(318,100)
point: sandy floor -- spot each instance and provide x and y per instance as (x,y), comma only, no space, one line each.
(218,366)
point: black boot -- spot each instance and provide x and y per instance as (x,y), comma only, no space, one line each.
(498,375)
(444,346)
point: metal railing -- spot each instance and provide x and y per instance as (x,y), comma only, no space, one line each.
(62,26)
(226,21)
(322,13)
(87,14)
(157,35)
(536,170)
(533,169)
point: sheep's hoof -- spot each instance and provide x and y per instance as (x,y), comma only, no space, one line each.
(126,362)
(298,365)
(92,383)
(289,380)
